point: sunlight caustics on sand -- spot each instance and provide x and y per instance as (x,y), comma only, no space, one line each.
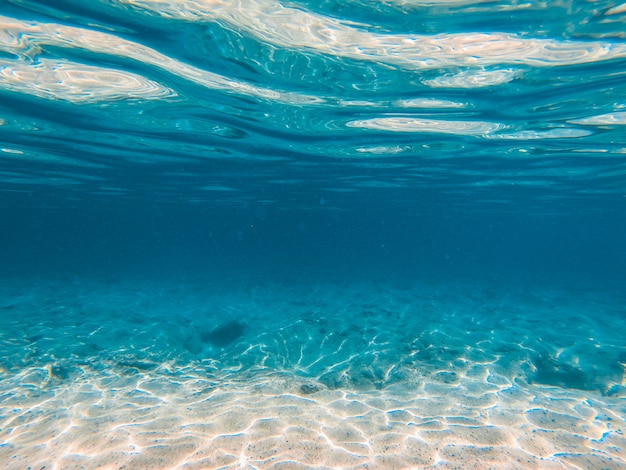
(317,385)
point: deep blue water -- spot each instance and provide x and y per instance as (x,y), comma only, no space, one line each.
(179,137)
(430,195)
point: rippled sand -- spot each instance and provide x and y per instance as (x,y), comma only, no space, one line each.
(123,376)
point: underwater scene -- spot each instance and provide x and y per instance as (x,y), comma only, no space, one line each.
(331,234)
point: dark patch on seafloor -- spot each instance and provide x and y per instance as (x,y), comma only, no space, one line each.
(309,388)
(549,370)
(224,334)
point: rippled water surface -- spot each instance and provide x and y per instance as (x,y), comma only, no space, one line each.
(291,103)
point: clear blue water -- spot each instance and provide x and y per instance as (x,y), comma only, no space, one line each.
(350,197)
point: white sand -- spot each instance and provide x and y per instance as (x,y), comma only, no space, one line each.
(183,422)
(462,403)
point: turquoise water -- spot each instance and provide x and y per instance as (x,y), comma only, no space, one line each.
(353,234)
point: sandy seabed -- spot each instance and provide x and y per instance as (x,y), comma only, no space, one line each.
(128,376)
